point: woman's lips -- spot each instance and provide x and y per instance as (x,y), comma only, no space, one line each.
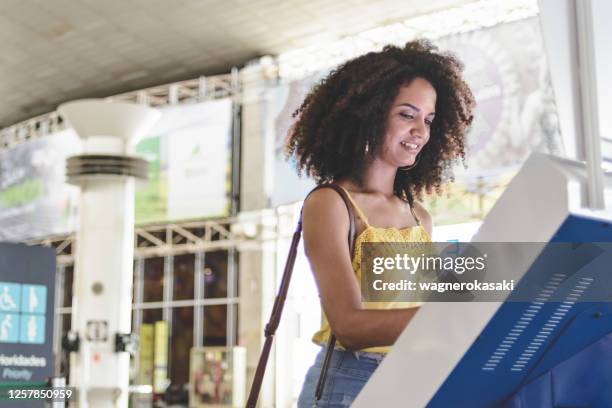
(411,147)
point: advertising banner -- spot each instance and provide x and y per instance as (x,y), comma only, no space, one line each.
(146,354)
(160,357)
(34,198)
(189,154)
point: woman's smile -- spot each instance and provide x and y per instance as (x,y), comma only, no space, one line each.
(410,147)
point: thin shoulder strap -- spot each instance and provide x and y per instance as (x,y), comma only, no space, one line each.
(360,213)
(410,200)
(418,221)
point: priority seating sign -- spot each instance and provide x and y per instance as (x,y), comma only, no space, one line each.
(27,283)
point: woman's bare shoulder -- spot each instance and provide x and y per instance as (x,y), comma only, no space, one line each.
(325,206)
(325,224)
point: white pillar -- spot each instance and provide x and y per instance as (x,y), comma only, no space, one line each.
(257,267)
(576,34)
(103,277)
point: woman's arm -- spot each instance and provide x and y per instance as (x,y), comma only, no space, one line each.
(326,226)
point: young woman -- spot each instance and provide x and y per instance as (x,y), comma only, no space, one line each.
(386,127)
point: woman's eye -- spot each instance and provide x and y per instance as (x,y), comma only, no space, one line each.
(406,115)
(428,122)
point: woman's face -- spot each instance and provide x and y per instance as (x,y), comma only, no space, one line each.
(408,123)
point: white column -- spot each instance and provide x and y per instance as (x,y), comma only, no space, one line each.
(576,34)
(103,275)
(257,267)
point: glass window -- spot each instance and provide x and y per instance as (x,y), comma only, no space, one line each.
(215,274)
(134,280)
(183,276)
(181,342)
(64,365)
(215,325)
(68,279)
(151,315)
(236,274)
(153,280)
(236,325)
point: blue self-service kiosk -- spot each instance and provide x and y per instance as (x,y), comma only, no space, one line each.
(550,341)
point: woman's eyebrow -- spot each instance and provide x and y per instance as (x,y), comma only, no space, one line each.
(410,105)
(415,108)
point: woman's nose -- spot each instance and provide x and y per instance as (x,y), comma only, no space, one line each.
(420,129)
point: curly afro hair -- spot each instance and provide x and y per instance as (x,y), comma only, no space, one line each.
(348,109)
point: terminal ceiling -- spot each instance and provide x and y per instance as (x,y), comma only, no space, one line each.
(55,51)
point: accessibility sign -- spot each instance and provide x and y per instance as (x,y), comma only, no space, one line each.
(22,313)
(27,283)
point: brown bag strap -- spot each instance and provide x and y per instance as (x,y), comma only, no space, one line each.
(279,302)
(331,343)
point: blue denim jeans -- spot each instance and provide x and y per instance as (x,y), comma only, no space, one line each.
(347,374)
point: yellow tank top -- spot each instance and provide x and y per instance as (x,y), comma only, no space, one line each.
(375,234)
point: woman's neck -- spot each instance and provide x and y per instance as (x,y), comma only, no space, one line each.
(378,178)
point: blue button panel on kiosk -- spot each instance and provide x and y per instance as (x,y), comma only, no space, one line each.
(525,339)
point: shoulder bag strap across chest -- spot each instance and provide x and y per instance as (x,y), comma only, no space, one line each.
(279,302)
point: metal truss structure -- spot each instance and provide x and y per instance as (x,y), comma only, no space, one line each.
(160,240)
(191,237)
(189,91)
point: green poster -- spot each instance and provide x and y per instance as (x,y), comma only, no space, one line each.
(152,194)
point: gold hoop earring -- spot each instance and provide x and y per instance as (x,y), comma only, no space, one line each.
(413,165)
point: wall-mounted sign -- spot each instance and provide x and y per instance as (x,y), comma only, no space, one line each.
(27,283)
(189,154)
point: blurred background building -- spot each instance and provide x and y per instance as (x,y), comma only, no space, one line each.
(215,216)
